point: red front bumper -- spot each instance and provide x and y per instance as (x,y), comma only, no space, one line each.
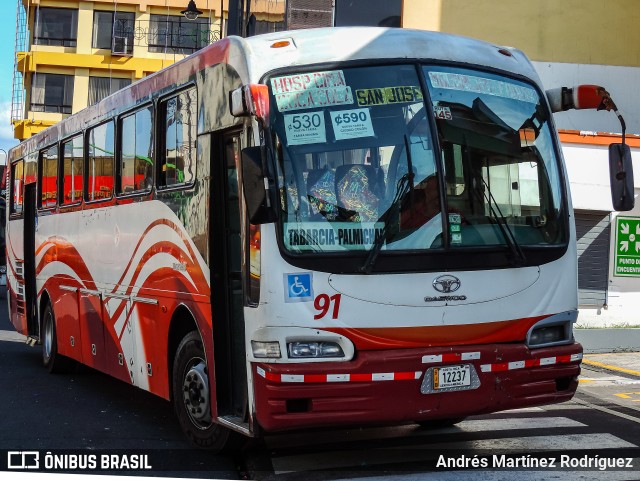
(384,386)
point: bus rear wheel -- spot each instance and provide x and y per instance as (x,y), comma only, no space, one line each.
(192,399)
(52,360)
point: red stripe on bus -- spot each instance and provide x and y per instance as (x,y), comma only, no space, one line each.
(434,336)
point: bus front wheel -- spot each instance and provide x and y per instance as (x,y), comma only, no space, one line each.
(53,361)
(192,398)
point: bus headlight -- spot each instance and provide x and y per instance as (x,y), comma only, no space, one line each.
(546,335)
(307,349)
(266,349)
(552,331)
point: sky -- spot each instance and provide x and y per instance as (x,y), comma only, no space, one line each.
(7,46)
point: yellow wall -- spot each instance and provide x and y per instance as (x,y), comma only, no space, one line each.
(602,32)
(84,61)
(421,14)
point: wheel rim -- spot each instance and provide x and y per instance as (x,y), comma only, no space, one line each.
(195,393)
(48,336)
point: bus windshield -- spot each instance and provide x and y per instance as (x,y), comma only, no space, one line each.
(358,164)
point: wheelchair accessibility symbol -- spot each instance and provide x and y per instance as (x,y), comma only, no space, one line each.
(298,287)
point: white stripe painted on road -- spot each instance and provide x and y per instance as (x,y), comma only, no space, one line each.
(562,442)
(524,410)
(609,380)
(484,425)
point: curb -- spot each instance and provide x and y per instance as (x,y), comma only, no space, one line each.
(608,340)
(609,367)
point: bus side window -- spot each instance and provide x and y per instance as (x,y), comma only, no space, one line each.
(72,170)
(48,176)
(100,165)
(178,125)
(136,152)
(17,187)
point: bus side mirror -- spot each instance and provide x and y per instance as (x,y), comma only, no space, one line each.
(621,177)
(258,186)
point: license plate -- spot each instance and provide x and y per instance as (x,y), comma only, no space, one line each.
(451,376)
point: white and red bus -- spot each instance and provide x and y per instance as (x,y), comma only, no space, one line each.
(311,228)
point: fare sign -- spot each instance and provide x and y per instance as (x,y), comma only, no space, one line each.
(627,247)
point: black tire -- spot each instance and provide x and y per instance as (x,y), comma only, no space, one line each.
(191,399)
(439,423)
(52,360)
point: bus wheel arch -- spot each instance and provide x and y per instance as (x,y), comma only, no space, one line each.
(182,323)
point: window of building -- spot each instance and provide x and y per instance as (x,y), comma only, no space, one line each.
(264,26)
(72,168)
(56,26)
(114,31)
(179,129)
(100,166)
(101,87)
(17,187)
(49,178)
(136,152)
(52,93)
(372,13)
(171,34)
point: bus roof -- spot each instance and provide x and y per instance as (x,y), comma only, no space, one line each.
(255,56)
(321,45)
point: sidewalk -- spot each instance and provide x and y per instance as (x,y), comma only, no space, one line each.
(620,362)
(608,340)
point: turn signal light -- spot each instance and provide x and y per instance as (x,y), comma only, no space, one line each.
(266,349)
(280,44)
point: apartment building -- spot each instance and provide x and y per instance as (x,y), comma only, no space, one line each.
(73,53)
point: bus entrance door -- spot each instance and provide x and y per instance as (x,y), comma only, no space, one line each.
(30,226)
(226,279)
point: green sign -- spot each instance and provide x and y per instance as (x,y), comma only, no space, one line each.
(627,246)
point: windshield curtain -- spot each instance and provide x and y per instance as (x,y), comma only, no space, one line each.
(357,164)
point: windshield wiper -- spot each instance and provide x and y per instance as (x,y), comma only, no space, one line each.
(518,257)
(402,187)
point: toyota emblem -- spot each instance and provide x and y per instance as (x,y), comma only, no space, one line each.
(446,284)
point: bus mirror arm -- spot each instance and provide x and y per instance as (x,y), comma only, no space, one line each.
(258,186)
(580,97)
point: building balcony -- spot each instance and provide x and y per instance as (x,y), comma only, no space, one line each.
(152,41)
(168,35)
